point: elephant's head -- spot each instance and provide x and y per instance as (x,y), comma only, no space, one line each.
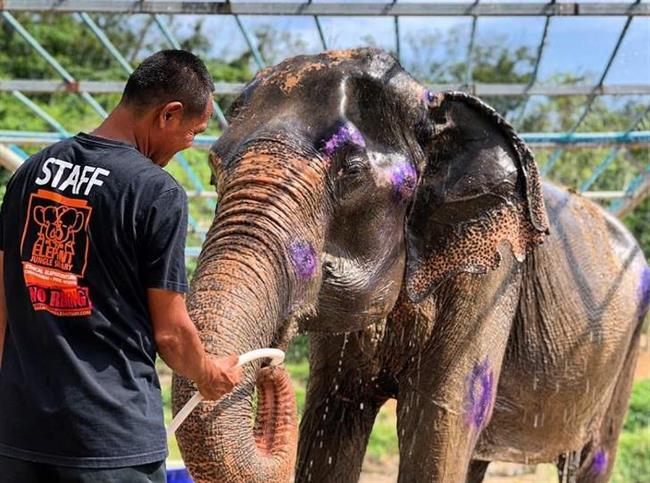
(341,182)
(70,221)
(59,224)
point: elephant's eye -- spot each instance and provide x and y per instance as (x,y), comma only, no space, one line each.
(351,173)
(354,165)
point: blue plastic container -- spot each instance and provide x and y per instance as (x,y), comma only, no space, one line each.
(178,475)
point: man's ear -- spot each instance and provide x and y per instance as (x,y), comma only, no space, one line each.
(170,114)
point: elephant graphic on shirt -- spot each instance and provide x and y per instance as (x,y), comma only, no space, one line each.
(56,237)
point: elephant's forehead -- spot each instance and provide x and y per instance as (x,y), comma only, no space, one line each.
(310,94)
(294,72)
(289,76)
(316,86)
(329,67)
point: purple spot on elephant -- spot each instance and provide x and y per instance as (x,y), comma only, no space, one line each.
(644,292)
(303,258)
(600,462)
(479,394)
(347,133)
(403,178)
(428,95)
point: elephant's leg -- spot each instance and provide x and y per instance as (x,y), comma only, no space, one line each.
(339,414)
(476,472)
(596,460)
(446,396)
(333,443)
(436,440)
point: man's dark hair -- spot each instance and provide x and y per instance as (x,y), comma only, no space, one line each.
(170,75)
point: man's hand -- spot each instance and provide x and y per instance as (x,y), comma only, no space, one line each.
(220,376)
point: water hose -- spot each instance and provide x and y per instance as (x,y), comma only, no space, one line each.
(276,356)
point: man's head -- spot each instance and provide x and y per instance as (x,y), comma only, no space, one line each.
(170,97)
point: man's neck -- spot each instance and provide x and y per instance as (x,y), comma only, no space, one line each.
(118,126)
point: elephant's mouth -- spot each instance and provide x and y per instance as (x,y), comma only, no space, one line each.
(354,294)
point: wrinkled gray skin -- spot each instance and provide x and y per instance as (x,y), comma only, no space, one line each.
(410,235)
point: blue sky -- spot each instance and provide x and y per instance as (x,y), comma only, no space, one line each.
(580,45)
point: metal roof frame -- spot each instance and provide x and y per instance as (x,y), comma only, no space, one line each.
(349,8)
(36,86)
(533,75)
(535,140)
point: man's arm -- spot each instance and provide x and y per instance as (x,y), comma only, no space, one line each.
(180,347)
(3,306)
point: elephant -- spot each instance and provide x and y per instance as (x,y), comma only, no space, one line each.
(409,234)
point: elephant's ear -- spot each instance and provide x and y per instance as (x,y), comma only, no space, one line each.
(39,215)
(479,187)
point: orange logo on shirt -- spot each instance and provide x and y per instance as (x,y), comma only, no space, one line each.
(56,238)
(54,250)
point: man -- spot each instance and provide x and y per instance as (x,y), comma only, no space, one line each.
(92,277)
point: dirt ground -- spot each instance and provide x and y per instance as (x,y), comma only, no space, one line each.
(497,473)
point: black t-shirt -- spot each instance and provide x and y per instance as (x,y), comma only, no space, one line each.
(87,225)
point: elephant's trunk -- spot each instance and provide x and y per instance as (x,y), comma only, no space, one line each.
(219,441)
(220,444)
(248,284)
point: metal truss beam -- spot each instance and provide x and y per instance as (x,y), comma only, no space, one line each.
(603,195)
(555,156)
(34,44)
(536,140)
(398,43)
(252,46)
(321,34)
(9,159)
(36,86)
(470,47)
(357,8)
(580,140)
(635,193)
(18,151)
(104,40)
(40,112)
(533,76)
(611,156)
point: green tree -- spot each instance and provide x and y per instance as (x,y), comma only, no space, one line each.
(442,58)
